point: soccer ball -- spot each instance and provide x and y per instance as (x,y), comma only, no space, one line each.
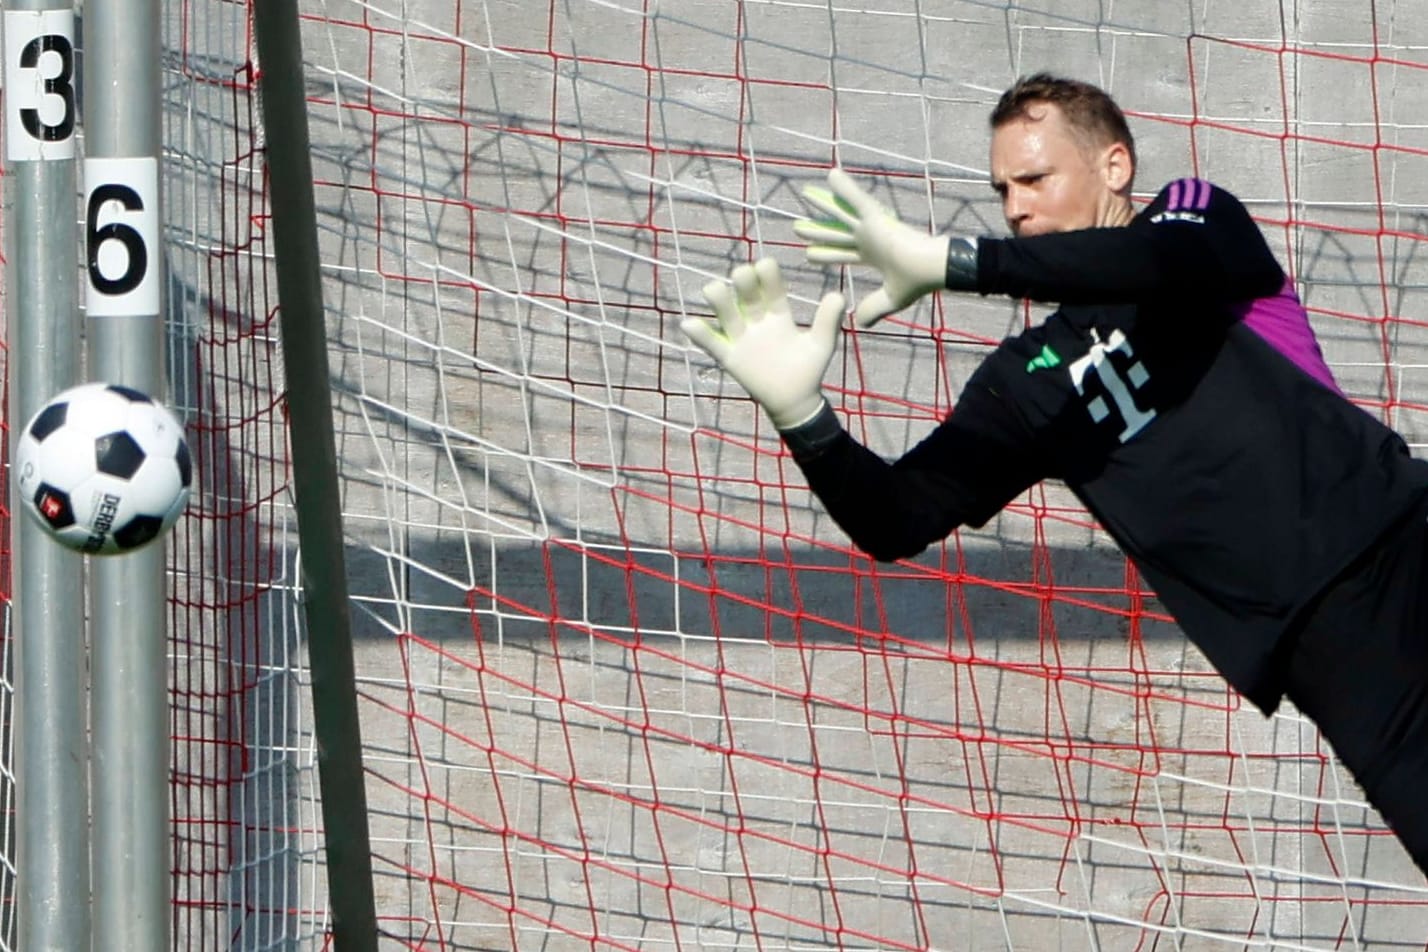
(104,469)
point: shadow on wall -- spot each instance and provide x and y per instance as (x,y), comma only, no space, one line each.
(801,595)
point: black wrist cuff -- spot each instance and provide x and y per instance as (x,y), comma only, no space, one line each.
(962,264)
(810,439)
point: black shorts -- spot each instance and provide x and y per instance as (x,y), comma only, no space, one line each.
(1359,669)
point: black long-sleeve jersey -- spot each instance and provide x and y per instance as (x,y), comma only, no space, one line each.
(1180,393)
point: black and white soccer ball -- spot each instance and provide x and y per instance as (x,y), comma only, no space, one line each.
(103,468)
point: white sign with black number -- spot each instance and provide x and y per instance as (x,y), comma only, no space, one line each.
(40,101)
(121,232)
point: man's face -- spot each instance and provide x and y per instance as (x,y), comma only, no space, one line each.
(1049,180)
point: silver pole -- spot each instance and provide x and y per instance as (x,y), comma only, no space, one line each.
(123,251)
(51,754)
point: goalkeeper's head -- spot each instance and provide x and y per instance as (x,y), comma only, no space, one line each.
(1062,156)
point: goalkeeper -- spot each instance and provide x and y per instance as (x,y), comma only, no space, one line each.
(1178,391)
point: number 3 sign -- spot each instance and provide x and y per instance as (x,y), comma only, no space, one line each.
(39,85)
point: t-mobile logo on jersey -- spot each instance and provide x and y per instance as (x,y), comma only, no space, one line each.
(1118,387)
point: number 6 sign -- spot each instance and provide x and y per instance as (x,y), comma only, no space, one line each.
(120,230)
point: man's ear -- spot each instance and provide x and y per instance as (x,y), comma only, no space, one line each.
(1117,166)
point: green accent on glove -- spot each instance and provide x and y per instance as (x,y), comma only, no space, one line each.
(828,201)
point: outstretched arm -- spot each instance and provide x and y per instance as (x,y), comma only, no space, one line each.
(971,465)
(1195,241)
(966,470)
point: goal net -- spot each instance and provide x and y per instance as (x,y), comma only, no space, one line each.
(623,684)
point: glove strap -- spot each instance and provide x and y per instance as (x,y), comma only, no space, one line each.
(810,438)
(962,264)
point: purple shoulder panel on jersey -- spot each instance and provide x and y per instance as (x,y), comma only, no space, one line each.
(1282,322)
(1188,194)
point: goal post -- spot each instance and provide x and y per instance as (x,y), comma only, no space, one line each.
(347,843)
(122,269)
(45,714)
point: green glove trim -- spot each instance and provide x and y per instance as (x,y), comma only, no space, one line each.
(828,201)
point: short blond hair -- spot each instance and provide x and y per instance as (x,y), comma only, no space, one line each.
(1090,111)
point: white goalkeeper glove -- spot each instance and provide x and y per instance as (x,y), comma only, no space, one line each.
(756,341)
(858,230)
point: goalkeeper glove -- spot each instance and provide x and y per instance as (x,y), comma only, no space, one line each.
(858,230)
(756,341)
